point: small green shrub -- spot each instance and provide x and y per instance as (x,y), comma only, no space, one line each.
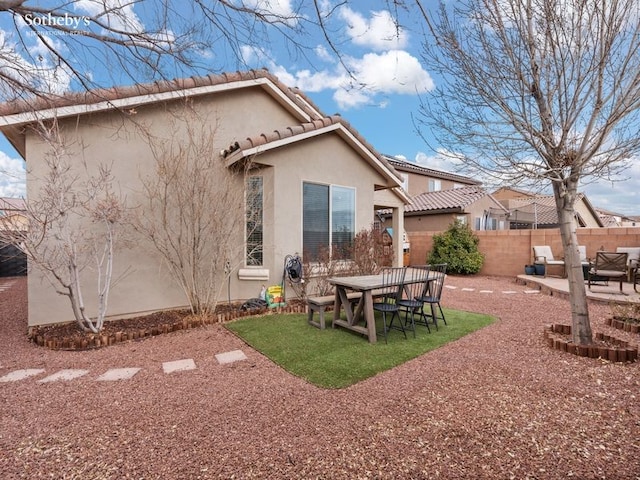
(458,248)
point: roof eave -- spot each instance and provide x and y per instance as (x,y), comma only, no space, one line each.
(395,182)
(125,103)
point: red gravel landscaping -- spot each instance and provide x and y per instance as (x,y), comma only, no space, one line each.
(498,403)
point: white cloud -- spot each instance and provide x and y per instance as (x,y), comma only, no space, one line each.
(350,98)
(43,73)
(379,32)
(323,54)
(12,176)
(117,14)
(395,71)
(273,10)
(619,197)
(439,161)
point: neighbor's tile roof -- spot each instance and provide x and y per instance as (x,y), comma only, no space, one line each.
(119,92)
(7,203)
(452,199)
(541,209)
(406,166)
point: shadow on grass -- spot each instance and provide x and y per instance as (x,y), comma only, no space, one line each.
(337,358)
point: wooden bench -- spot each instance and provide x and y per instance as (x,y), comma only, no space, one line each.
(320,304)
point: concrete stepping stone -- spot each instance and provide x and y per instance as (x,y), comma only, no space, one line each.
(67,374)
(21,374)
(179,365)
(116,374)
(230,357)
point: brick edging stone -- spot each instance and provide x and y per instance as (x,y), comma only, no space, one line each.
(617,350)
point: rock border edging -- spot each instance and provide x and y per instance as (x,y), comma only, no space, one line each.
(617,351)
(103,340)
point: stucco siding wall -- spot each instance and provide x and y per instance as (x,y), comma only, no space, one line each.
(325,160)
(114,139)
(420,183)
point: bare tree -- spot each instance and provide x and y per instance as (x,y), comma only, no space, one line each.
(368,252)
(190,210)
(56,47)
(73,227)
(542,91)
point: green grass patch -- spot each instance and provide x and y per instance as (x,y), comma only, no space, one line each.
(337,358)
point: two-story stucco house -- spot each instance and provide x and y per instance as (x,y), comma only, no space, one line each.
(440,198)
(316,169)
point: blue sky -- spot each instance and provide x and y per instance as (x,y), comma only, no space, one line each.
(380,99)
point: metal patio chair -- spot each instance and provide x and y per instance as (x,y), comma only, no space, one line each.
(611,265)
(438,273)
(415,287)
(390,294)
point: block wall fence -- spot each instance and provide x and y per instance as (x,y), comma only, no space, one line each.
(508,251)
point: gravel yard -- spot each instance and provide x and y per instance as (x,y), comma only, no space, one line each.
(496,404)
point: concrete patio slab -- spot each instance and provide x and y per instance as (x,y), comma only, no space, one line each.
(179,365)
(67,374)
(21,374)
(607,294)
(230,357)
(116,374)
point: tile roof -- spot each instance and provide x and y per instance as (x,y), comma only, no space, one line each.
(452,199)
(264,139)
(404,165)
(162,86)
(283,133)
(317,121)
(540,209)
(7,203)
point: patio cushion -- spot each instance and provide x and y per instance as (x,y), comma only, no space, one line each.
(633,254)
(555,262)
(542,254)
(609,273)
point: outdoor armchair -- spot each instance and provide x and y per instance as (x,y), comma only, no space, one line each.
(633,260)
(542,255)
(612,265)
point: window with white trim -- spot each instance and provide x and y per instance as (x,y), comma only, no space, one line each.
(328,219)
(254,221)
(435,185)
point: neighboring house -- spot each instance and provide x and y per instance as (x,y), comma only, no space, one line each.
(436,211)
(12,214)
(13,261)
(418,179)
(315,172)
(612,219)
(530,211)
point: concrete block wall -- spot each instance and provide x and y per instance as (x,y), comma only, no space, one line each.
(508,251)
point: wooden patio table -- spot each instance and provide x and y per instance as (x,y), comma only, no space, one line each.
(367,285)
